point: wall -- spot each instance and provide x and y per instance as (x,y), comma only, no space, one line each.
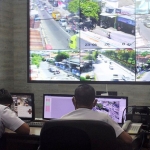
(6,44)
(13,61)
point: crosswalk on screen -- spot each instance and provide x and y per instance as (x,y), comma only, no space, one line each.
(96,41)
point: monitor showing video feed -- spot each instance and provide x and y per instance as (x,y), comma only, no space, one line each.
(114,106)
(23,105)
(70,42)
(56,105)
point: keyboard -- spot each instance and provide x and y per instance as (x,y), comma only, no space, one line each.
(35,124)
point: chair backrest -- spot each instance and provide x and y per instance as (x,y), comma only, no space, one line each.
(77,135)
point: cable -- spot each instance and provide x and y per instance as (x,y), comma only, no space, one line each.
(142,141)
(126,113)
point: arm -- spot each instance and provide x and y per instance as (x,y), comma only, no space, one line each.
(12,122)
(124,136)
(23,129)
(120,133)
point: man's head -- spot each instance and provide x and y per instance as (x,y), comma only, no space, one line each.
(84,96)
(5,97)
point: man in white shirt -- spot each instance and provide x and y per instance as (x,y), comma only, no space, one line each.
(84,100)
(8,118)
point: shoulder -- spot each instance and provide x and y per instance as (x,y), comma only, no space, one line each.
(3,107)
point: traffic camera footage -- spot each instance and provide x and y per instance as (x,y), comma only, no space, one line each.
(71,41)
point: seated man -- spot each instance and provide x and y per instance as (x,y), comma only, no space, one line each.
(8,118)
(84,100)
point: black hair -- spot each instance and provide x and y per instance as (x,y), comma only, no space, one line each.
(84,94)
(5,97)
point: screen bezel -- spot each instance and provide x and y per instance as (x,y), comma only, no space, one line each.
(69,82)
(33,106)
(57,95)
(117,97)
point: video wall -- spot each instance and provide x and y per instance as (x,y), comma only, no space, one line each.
(72,41)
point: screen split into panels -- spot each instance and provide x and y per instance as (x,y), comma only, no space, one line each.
(71,42)
(57,105)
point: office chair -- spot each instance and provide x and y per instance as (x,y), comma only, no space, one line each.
(77,135)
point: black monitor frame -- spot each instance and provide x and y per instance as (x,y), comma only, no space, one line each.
(110,93)
(33,106)
(135,81)
(59,95)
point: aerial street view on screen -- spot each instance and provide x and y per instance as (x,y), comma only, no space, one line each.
(71,41)
(110,107)
(143,64)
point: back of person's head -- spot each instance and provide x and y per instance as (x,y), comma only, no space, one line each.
(5,97)
(84,94)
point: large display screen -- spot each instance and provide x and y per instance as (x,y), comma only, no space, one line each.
(58,105)
(73,41)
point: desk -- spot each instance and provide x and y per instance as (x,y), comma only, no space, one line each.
(31,141)
(33,131)
(22,142)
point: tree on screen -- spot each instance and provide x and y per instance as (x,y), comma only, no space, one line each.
(73,6)
(61,56)
(90,9)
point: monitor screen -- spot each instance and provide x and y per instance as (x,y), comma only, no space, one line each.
(57,105)
(70,42)
(115,106)
(23,105)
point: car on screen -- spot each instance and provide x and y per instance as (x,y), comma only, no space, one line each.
(147,24)
(52,69)
(63,22)
(50,11)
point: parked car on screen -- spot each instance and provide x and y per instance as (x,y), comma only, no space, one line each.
(52,69)
(56,72)
(147,24)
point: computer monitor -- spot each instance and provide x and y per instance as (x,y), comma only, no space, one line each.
(23,105)
(115,106)
(110,93)
(56,105)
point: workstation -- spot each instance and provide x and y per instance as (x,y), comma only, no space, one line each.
(14,64)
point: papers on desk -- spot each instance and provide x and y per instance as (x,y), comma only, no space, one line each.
(134,128)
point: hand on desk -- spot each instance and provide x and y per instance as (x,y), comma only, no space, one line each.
(33,131)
